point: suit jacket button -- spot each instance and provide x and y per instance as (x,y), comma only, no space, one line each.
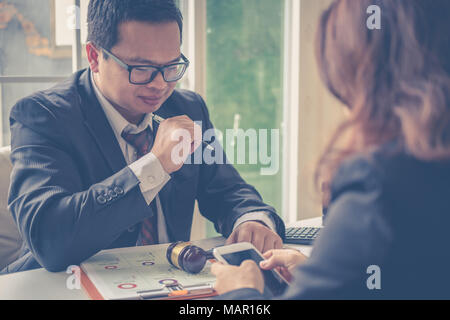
(101,199)
(112,194)
(118,190)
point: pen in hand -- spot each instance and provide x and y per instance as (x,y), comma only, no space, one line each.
(159,119)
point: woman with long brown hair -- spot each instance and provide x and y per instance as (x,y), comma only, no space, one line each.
(385,174)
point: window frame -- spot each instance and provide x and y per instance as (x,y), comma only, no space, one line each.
(76,65)
(291,105)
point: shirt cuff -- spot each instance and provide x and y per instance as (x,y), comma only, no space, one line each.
(151,175)
(260,216)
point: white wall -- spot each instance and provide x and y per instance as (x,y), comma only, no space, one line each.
(319,111)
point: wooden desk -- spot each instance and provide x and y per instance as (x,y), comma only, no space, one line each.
(40,284)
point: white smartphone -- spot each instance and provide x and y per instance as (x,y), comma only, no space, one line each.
(236,253)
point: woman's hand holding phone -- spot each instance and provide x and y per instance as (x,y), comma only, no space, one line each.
(283,260)
(229,277)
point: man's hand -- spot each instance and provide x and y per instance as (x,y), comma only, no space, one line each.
(176,140)
(257,234)
(230,278)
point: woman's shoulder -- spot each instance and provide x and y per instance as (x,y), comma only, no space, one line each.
(390,167)
(363,171)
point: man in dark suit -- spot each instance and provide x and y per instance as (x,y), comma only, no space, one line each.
(92,169)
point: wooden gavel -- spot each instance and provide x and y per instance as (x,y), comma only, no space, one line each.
(187,257)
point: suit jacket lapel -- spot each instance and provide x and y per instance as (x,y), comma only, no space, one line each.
(98,125)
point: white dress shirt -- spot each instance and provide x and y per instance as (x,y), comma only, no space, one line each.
(148,169)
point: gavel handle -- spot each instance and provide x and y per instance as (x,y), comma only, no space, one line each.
(209,254)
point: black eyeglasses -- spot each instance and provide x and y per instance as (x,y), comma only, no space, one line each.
(145,74)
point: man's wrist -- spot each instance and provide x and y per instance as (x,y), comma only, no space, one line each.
(150,172)
(262,217)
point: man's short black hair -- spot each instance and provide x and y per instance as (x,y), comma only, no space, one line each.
(105,16)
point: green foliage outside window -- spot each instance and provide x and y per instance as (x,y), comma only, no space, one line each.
(245,75)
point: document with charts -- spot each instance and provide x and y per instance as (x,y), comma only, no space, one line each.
(126,272)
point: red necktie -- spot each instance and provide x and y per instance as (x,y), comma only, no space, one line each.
(143,143)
